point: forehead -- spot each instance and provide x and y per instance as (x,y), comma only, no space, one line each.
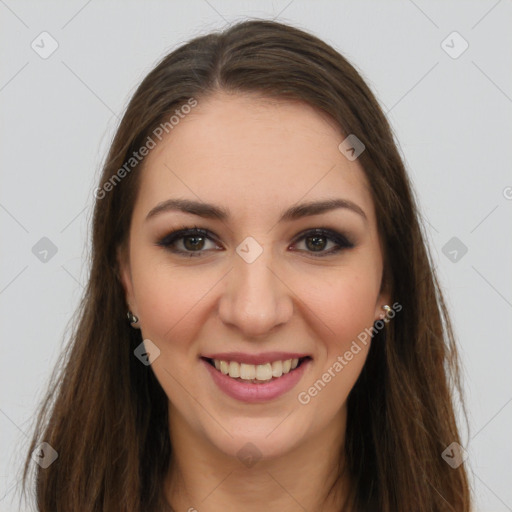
(253,155)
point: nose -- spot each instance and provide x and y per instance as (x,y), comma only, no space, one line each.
(256,298)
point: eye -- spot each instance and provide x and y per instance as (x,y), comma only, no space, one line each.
(318,239)
(193,241)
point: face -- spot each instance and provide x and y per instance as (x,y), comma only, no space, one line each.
(262,282)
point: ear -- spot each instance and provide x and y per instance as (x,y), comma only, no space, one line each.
(383,299)
(125,276)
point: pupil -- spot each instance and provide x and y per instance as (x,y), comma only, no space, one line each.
(319,242)
(195,242)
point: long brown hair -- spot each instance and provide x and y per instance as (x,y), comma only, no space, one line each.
(106,414)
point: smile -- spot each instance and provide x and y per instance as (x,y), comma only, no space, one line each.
(256,373)
(255,382)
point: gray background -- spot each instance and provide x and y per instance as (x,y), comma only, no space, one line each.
(452,120)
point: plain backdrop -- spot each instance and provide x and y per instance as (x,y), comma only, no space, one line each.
(450,108)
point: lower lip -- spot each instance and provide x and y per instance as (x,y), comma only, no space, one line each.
(253,393)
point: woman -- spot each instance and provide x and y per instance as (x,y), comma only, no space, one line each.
(287,345)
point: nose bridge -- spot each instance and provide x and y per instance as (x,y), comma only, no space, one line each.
(255,300)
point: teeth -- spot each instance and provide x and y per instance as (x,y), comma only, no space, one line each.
(277,369)
(224,367)
(234,369)
(264,371)
(259,372)
(247,371)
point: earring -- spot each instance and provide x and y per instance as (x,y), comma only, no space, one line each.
(132,319)
(387,309)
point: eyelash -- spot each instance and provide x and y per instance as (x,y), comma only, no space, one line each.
(174,236)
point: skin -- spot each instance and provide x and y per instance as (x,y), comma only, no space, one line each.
(255,157)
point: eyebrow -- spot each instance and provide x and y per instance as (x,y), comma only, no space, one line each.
(212,211)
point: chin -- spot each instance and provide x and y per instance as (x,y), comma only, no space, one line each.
(257,438)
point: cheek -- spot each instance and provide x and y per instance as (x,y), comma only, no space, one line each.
(170,301)
(345,306)
(345,311)
(171,305)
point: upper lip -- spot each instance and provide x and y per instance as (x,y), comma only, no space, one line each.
(262,358)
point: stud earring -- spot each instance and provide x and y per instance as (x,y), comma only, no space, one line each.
(132,319)
(387,309)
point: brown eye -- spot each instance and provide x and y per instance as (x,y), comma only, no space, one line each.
(193,243)
(316,243)
(318,240)
(188,241)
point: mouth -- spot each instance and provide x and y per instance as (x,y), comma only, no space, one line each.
(256,373)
